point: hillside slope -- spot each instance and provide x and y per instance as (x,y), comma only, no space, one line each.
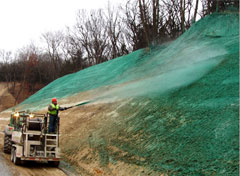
(6,99)
(173,110)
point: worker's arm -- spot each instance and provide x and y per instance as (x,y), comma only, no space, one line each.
(50,108)
(62,108)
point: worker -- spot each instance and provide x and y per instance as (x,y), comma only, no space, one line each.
(53,109)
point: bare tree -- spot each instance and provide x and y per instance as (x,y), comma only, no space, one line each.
(195,11)
(133,31)
(156,16)
(211,6)
(157,21)
(115,26)
(182,14)
(144,16)
(54,40)
(74,60)
(9,75)
(92,33)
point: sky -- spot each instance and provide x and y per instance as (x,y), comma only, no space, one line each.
(24,21)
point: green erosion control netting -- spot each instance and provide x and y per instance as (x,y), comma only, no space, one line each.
(183,119)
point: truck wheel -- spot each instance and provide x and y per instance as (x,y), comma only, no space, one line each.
(54,163)
(16,160)
(7,144)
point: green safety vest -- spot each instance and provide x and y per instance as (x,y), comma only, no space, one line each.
(54,112)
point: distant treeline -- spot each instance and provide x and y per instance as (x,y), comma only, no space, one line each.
(104,34)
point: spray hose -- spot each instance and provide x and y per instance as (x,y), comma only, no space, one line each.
(80,104)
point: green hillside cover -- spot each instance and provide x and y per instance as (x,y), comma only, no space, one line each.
(185,100)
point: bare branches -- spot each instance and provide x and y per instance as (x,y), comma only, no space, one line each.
(91,33)
(54,41)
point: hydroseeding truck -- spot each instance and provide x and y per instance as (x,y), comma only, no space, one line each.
(27,139)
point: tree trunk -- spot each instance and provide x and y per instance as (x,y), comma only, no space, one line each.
(195,11)
(144,20)
(155,4)
(182,11)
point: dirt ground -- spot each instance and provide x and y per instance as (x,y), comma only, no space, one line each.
(84,132)
(6,99)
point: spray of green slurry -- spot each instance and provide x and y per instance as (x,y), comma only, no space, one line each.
(190,124)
